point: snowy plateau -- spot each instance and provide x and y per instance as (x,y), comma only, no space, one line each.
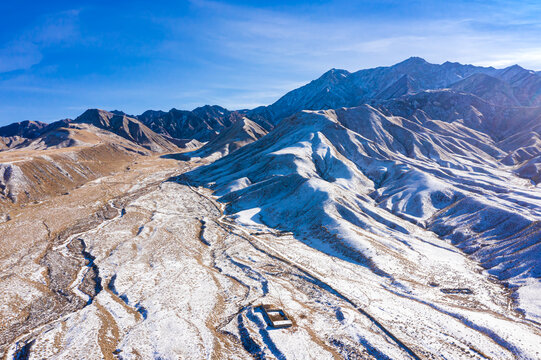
(391,213)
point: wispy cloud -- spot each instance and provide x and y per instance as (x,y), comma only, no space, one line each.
(19,54)
(315,41)
(25,50)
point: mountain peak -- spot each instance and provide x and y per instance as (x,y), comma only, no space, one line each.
(515,73)
(95,117)
(414,60)
(244,131)
(515,67)
(335,74)
(209,107)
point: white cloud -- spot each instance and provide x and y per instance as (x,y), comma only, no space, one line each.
(19,55)
(315,42)
(528,58)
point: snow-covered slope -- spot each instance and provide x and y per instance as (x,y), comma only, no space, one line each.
(405,225)
(241,133)
(352,181)
(513,132)
(131,266)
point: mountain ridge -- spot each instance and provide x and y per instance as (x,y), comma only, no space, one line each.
(354,88)
(336,88)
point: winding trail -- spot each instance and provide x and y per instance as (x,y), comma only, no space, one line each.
(218,270)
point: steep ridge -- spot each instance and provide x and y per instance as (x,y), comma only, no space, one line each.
(403,86)
(489,88)
(499,122)
(340,88)
(55,158)
(241,133)
(339,177)
(514,131)
(128,128)
(26,129)
(526,84)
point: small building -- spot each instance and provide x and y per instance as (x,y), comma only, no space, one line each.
(275,317)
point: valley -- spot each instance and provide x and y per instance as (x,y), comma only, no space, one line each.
(175,278)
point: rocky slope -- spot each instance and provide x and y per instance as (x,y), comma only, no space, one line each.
(26,129)
(128,128)
(201,124)
(20,134)
(64,158)
(56,158)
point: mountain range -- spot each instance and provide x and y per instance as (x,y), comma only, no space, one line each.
(422,177)
(513,89)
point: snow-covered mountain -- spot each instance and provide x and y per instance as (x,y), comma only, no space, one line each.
(392,213)
(239,134)
(341,88)
(435,159)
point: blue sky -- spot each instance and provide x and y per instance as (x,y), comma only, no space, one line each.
(58,58)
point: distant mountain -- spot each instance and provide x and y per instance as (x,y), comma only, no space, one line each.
(62,159)
(526,84)
(340,88)
(21,133)
(26,129)
(489,88)
(201,124)
(512,86)
(155,130)
(128,128)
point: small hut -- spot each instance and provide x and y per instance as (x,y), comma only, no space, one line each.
(275,317)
